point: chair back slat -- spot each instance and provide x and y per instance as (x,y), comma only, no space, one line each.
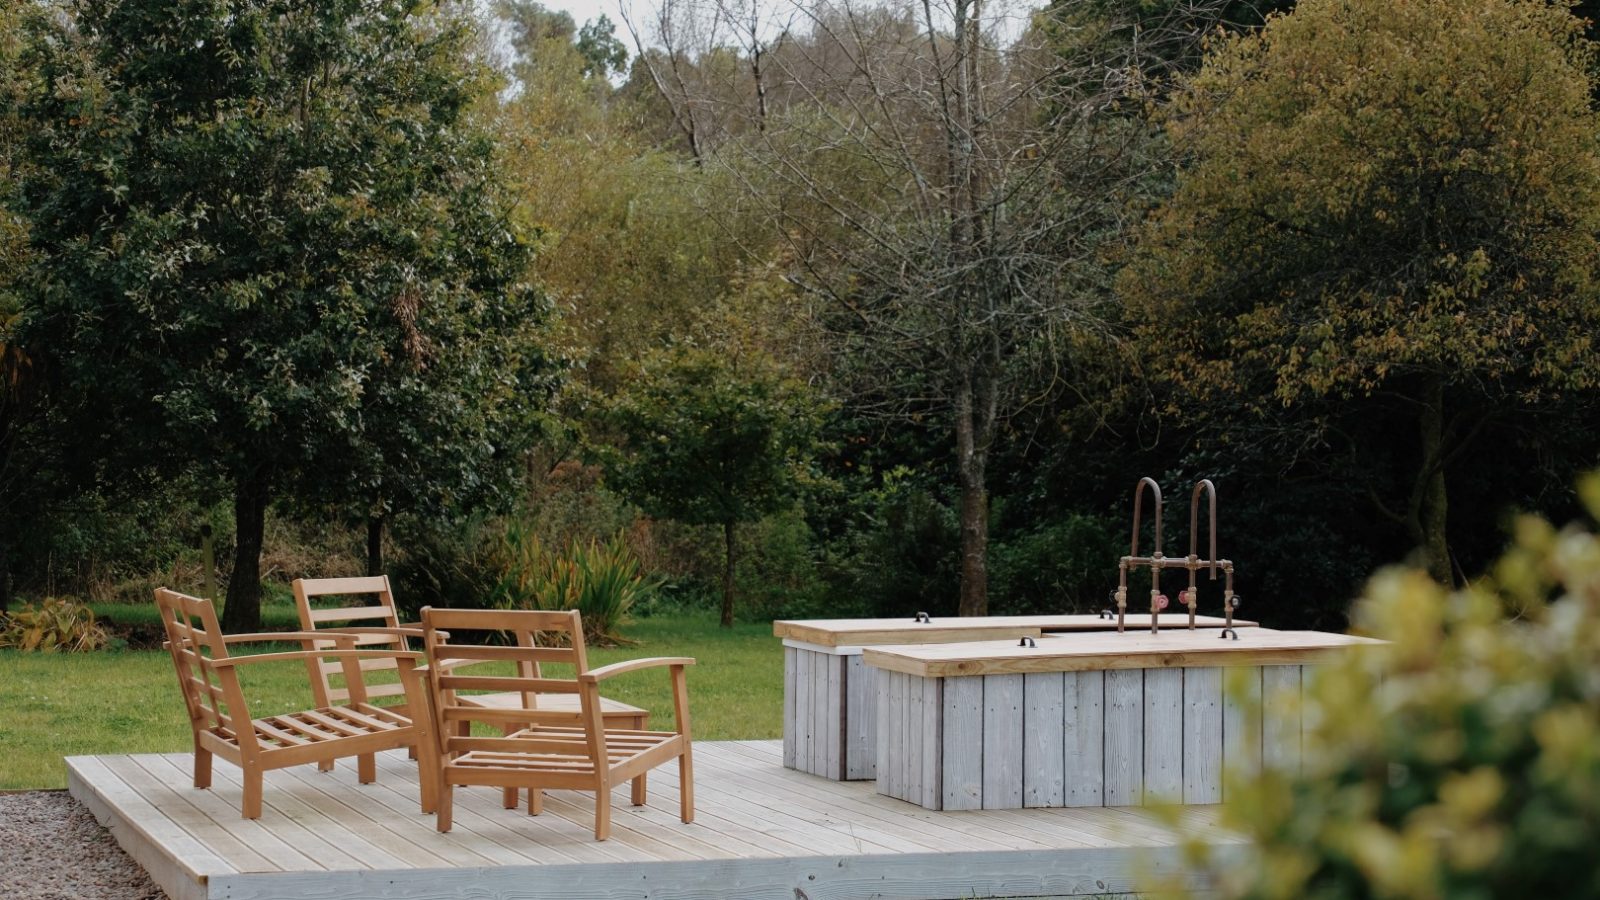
(211,694)
(327,690)
(488,683)
(540,637)
(353,614)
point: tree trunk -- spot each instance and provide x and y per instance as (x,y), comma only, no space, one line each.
(727,575)
(375,545)
(5,579)
(242,612)
(972,464)
(1431,533)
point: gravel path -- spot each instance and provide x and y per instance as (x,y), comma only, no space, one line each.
(53,849)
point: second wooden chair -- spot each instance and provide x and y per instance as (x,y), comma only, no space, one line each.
(584,755)
(379,625)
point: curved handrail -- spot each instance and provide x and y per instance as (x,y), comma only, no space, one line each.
(1194,521)
(1138,508)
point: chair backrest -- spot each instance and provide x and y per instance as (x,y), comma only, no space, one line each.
(540,637)
(380,613)
(212,694)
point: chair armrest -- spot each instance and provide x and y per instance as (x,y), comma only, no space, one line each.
(281,637)
(316,654)
(403,631)
(632,665)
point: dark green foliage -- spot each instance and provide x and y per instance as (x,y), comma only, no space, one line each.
(707,441)
(898,557)
(602,53)
(452,567)
(271,245)
(1064,566)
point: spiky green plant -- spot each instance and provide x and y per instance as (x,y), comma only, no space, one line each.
(602,581)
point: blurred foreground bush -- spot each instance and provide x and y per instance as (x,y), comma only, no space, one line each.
(1463,761)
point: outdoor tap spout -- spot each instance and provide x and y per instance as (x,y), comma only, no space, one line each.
(1138,509)
(1191,597)
(1155,557)
(1210,489)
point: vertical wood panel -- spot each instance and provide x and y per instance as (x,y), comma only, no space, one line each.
(911,725)
(819,714)
(892,733)
(1241,724)
(880,684)
(1044,741)
(1124,744)
(963,743)
(1202,735)
(1280,726)
(1002,742)
(833,712)
(861,708)
(1163,736)
(791,740)
(932,738)
(1083,738)
(802,709)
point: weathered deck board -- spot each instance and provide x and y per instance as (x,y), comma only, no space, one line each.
(761,831)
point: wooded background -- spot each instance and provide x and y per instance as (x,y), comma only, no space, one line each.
(826,308)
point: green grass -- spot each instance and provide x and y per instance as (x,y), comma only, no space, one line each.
(55,705)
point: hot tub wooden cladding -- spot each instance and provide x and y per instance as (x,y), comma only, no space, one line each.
(1090,720)
(830,704)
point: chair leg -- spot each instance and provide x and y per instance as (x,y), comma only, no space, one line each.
(366,768)
(252,793)
(639,790)
(428,782)
(202,768)
(535,801)
(602,812)
(686,785)
(508,797)
(324,765)
(446,791)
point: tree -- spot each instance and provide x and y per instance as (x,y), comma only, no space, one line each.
(20,407)
(950,195)
(710,441)
(602,53)
(1386,224)
(248,219)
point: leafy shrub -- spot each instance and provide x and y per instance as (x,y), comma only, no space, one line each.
(455,566)
(902,556)
(55,623)
(1063,567)
(777,577)
(602,581)
(1461,762)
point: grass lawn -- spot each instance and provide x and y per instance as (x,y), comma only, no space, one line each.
(55,705)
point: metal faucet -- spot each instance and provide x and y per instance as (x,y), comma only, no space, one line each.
(1190,596)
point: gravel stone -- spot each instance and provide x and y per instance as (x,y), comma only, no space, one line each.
(53,849)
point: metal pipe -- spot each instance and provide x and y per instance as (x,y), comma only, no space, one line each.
(1138,508)
(1203,484)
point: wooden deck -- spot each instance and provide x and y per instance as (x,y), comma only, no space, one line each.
(760,831)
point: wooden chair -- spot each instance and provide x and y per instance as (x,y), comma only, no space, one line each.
(583,754)
(218,711)
(390,633)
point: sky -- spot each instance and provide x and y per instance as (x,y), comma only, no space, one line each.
(584,10)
